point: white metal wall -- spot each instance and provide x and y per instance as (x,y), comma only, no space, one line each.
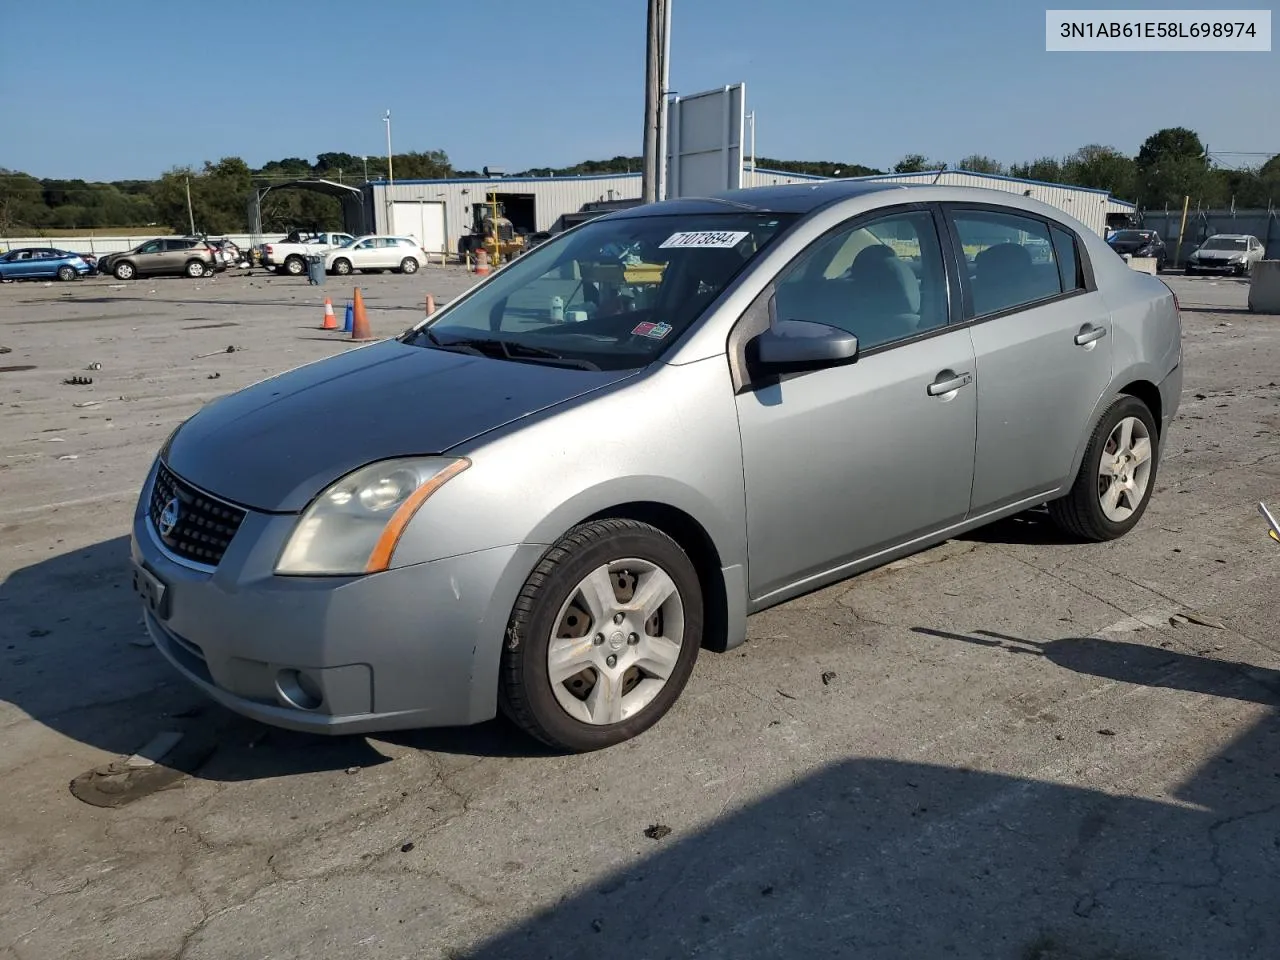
(769,178)
(1090,207)
(423,221)
(553,197)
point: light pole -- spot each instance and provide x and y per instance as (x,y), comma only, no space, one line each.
(387,120)
(365,161)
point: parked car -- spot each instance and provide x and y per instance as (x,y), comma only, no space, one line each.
(290,254)
(164,256)
(228,253)
(547,496)
(1226,252)
(1140,243)
(376,253)
(41,263)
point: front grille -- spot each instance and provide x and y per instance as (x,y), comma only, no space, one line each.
(203,527)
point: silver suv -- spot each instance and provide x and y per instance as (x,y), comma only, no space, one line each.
(164,256)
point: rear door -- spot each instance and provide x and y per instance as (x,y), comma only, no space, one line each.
(1042,338)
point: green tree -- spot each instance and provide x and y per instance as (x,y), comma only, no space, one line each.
(980,164)
(1103,168)
(1172,164)
(1047,169)
(917,163)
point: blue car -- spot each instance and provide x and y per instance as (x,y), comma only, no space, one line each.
(41,263)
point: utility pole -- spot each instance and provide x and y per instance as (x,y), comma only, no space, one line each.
(652,101)
(390,179)
(664,102)
(190,213)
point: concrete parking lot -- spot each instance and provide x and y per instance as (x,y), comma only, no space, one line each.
(1009,746)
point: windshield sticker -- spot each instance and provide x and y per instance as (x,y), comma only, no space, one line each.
(715,239)
(654,331)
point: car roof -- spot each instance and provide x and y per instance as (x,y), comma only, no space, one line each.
(1231,236)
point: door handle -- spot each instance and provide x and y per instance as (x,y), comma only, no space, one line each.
(953,382)
(1089,334)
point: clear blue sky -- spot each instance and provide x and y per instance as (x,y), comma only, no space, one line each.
(131,88)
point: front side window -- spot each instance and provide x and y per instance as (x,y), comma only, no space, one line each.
(153,247)
(1010,258)
(611,295)
(881,280)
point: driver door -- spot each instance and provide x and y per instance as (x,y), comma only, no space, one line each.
(844,463)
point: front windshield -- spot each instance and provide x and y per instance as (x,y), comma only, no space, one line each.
(1224,243)
(611,295)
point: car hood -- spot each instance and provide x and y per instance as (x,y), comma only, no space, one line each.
(1220,254)
(275,445)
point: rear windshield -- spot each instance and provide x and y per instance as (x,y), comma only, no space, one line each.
(1225,243)
(1130,235)
(613,294)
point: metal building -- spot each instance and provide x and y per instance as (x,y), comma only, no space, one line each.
(1091,207)
(437,212)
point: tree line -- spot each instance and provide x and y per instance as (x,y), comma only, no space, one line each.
(1172,163)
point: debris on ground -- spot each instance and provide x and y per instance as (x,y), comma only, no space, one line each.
(94,366)
(350,770)
(656,831)
(597,925)
(1191,616)
(406,847)
(215,375)
(37,633)
(827,677)
(78,381)
(1106,732)
(70,456)
(124,780)
(783,693)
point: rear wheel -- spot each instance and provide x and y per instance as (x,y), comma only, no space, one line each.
(603,636)
(66,273)
(342,266)
(408,265)
(124,271)
(295,266)
(195,269)
(1116,477)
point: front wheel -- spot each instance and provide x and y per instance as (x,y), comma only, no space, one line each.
(408,265)
(66,273)
(1116,477)
(342,267)
(603,636)
(124,271)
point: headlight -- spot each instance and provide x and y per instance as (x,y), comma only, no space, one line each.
(353,526)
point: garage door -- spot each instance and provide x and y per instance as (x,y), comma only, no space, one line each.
(422,221)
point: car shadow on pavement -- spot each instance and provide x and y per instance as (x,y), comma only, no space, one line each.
(876,858)
(1031,527)
(1137,663)
(74,657)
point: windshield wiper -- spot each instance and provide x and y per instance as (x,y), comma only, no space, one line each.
(455,346)
(509,350)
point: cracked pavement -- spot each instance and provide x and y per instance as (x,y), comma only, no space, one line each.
(1023,747)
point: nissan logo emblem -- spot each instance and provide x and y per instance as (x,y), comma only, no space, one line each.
(169,517)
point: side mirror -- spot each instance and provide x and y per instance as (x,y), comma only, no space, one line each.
(793,346)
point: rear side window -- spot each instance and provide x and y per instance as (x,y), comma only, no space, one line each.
(1011,260)
(1064,246)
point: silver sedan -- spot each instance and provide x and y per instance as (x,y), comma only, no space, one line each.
(548,497)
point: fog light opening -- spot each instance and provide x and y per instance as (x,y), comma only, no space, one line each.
(298,690)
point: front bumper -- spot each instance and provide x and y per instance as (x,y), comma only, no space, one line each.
(1217,266)
(413,647)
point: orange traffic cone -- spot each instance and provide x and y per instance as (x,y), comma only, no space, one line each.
(482,262)
(359,321)
(330,321)
(431,305)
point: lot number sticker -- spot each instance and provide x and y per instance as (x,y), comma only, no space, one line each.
(715,239)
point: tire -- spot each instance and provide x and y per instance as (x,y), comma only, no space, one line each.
(295,266)
(342,267)
(1082,513)
(66,273)
(194,269)
(551,602)
(208,271)
(1189,270)
(124,270)
(409,265)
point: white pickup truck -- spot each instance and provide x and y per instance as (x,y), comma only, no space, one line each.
(290,254)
